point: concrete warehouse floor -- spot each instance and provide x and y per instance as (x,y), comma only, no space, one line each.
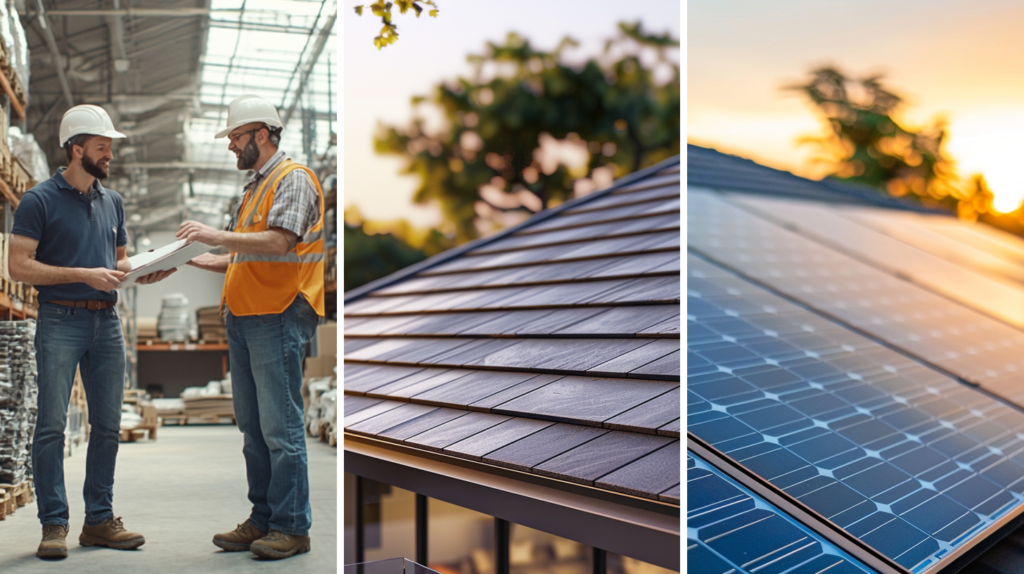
(178,492)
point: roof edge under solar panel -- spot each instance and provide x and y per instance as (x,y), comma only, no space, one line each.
(856,548)
(829,188)
(644,529)
(536,218)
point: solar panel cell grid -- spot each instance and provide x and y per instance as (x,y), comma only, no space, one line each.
(731,529)
(905,458)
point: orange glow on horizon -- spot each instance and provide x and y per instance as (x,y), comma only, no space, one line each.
(989,142)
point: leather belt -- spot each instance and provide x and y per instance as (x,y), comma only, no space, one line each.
(90,304)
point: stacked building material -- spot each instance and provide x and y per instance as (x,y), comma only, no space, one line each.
(210,402)
(211,325)
(18,399)
(321,398)
(14,63)
(146,329)
(172,323)
(31,157)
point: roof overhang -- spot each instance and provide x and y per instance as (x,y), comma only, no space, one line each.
(626,525)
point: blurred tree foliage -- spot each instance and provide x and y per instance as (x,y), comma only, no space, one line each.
(389,33)
(865,143)
(369,257)
(495,155)
(374,249)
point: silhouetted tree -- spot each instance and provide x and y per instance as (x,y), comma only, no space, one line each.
(866,144)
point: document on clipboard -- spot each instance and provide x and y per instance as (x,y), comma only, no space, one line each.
(164,259)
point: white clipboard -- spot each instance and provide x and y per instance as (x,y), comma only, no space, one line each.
(164,259)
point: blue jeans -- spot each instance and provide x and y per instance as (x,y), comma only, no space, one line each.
(67,337)
(266,380)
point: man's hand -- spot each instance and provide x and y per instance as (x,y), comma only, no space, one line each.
(211,262)
(194,231)
(155,277)
(102,279)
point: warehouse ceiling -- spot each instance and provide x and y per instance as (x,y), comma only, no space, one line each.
(165,71)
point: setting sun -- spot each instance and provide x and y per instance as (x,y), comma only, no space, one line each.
(991,143)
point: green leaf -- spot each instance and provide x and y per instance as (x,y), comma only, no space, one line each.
(359,10)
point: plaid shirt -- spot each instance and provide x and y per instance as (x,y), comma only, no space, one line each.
(296,203)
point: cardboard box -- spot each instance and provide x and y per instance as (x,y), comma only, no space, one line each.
(330,362)
(327,340)
(314,367)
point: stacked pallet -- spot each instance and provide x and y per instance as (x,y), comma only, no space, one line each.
(13,497)
(18,398)
(17,177)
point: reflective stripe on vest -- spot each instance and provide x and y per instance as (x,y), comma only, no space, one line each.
(267,284)
(286,258)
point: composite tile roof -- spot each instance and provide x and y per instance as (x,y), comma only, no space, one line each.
(552,350)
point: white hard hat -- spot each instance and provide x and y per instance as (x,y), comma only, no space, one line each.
(248,109)
(87,119)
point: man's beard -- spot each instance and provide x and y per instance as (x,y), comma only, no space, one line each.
(250,154)
(93,169)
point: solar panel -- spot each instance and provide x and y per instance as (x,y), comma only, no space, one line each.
(996,296)
(955,338)
(990,239)
(731,529)
(914,230)
(903,458)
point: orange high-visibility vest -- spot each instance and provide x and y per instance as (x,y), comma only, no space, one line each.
(267,284)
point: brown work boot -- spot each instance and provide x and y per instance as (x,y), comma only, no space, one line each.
(110,533)
(54,544)
(277,545)
(240,538)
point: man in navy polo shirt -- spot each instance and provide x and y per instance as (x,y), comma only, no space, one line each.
(69,241)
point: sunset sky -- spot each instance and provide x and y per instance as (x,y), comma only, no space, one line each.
(961,60)
(379,85)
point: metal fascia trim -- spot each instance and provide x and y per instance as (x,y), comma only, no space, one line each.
(543,215)
(649,536)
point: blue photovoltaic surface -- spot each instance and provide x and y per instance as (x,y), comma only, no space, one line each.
(731,529)
(905,458)
(954,337)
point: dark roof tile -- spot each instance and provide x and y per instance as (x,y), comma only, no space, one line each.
(596,458)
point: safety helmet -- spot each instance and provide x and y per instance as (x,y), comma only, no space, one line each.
(248,109)
(87,119)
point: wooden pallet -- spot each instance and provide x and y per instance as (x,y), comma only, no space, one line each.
(138,432)
(13,497)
